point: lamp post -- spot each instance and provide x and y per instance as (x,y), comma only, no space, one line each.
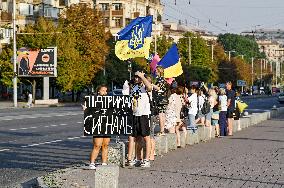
(14,56)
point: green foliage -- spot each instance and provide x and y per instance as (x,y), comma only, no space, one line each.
(163,45)
(243,45)
(6,66)
(82,47)
(202,68)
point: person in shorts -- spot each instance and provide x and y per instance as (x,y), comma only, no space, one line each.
(99,141)
(141,118)
(192,108)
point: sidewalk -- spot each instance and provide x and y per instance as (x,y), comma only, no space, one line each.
(251,158)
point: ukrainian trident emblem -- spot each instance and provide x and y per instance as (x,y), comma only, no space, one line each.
(137,40)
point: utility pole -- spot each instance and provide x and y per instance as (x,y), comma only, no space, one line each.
(261,72)
(14,56)
(212,52)
(252,73)
(189,50)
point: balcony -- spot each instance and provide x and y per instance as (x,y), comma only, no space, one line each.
(105,13)
(117,13)
(6,17)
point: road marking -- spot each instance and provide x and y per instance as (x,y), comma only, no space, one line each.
(13,129)
(79,122)
(43,143)
(72,138)
(7,119)
(53,125)
(4,150)
(63,124)
(23,128)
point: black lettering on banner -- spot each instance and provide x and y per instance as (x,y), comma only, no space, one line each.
(108,115)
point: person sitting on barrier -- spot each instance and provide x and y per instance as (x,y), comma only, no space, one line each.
(141,119)
(223,112)
(99,141)
(171,114)
(192,108)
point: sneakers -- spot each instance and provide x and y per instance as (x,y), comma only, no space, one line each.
(131,162)
(145,164)
(92,166)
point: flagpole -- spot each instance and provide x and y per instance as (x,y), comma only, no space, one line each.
(155,35)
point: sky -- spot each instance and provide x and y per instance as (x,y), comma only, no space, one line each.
(222,16)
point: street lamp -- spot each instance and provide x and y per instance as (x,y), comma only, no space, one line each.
(14,56)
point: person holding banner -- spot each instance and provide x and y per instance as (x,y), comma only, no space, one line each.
(99,141)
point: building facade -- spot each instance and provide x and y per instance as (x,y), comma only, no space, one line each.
(118,13)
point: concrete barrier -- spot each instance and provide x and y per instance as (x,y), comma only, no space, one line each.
(172,141)
(183,137)
(106,176)
(201,133)
(161,145)
(213,132)
(207,134)
(116,153)
(192,137)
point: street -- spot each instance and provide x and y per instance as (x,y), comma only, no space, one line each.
(36,141)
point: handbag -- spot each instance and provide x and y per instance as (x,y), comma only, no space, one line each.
(162,100)
(184,112)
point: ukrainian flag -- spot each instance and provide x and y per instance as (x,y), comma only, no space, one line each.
(171,63)
(135,39)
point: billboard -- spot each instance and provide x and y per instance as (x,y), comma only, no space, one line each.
(37,63)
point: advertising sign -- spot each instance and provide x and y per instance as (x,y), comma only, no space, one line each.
(241,83)
(37,63)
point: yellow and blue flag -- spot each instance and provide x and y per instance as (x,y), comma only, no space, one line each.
(171,63)
(135,39)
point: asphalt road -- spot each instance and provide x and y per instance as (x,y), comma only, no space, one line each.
(36,141)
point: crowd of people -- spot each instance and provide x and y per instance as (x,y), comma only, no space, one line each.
(175,107)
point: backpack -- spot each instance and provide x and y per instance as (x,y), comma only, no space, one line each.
(206,107)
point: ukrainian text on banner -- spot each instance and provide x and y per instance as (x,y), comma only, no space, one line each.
(37,63)
(135,39)
(108,115)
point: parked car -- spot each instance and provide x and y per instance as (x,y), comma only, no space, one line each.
(281,98)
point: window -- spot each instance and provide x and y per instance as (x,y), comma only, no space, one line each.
(118,22)
(117,6)
(106,22)
(105,6)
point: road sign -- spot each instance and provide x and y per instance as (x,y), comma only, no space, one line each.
(241,83)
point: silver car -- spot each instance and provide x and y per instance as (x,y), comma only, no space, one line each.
(281,98)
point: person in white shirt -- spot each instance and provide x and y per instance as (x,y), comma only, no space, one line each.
(141,119)
(192,108)
(201,99)
(223,112)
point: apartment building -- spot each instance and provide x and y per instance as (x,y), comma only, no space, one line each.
(118,13)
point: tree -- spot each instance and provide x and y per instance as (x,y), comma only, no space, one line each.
(82,47)
(243,45)
(163,45)
(202,68)
(6,66)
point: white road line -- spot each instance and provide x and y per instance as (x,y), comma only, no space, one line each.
(7,119)
(79,122)
(23,128)
(53,125)
(63,124)
(59,115)
(72,138)
(33,127)
(4,150)
(43,143)
(13,129)
(46,126)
